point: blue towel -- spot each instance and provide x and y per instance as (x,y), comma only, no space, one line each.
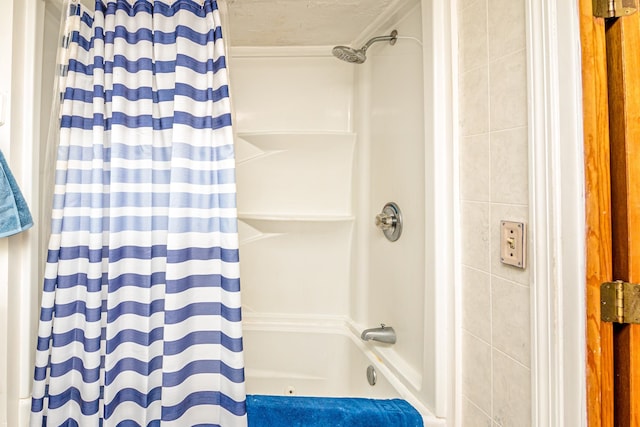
(297,411)
(14,212)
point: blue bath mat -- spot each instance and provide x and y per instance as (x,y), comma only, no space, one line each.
(296,411)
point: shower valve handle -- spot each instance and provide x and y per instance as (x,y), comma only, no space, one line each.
(389,221)
(385,221)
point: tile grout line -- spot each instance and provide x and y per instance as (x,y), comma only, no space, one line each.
(491,243)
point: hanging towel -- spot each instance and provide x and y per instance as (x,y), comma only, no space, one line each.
(14,212)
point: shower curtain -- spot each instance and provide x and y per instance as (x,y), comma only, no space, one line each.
(140,320)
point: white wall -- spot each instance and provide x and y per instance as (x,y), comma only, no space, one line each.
(6,37)
(391,121)
(494,186)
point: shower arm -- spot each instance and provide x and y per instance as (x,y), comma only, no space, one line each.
(390,38)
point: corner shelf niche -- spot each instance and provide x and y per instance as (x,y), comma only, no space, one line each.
(296,224)
(300,177)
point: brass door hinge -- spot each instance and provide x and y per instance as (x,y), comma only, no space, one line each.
(613,8)
(620,302)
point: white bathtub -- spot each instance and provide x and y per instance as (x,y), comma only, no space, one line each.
(320,357)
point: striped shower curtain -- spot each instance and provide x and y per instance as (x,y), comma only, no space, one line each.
(140,320)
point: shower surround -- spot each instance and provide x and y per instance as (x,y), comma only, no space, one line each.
(321,149)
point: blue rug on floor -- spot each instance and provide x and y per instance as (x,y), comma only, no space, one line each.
(297,411)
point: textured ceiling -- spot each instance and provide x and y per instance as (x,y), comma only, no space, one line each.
(300,22)
(296,22)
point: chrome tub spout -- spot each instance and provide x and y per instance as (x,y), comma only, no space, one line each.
(384,334)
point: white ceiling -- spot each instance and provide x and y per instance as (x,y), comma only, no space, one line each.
(301,22)
(297,22)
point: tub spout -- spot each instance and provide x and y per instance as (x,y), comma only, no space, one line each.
(384,334)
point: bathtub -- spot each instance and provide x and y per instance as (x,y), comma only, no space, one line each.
(318,357)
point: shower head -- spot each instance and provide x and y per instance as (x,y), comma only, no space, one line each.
(358,56)
(349,54)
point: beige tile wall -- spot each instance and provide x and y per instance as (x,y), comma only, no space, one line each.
(494,186)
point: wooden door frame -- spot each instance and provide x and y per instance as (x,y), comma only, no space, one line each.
(557,214)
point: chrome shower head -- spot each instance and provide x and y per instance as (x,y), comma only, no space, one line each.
(358,56)
(349,54)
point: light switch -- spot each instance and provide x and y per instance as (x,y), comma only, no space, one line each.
(513,248)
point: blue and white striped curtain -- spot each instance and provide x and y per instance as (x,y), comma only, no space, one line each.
(140,321)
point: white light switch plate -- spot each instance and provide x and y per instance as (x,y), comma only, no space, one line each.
(513,248)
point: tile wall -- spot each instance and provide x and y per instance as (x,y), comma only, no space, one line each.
(493,187)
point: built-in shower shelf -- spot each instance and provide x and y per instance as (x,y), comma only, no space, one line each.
(294,217)
(274,140)
(257,227)
(283,172)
